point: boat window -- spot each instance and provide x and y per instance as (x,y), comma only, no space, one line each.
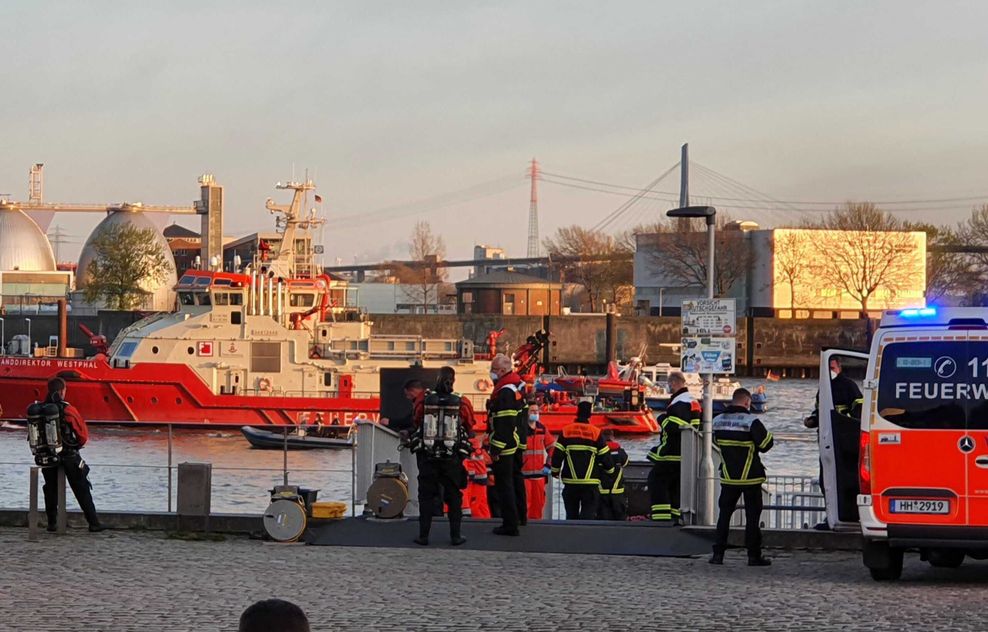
(935,384)
(204,298)
(327,379)
(187,279)
(236,298)
(221,281)
(126,350)
(203,281)
(301,300)
(186,298)
(221,298)
(235,317)
(265,357)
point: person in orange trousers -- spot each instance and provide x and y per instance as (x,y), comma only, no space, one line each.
(535,463)
(477,481)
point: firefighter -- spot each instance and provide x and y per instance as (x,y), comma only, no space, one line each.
(741,437)
(682,413)
(441,439)
(504,413)
(478,477)
(847,400)
(414,391)
(535,462)
(613,503)
(578,455)
(75,434)
(845,393)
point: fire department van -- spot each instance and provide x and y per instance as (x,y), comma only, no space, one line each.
(922,473)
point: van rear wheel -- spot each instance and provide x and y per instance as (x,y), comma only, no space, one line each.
(883,561)
(946,558)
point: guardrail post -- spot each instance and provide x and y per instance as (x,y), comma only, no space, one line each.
(32,512)
(169,468)
(62,520)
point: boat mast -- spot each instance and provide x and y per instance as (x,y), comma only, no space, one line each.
(293,218)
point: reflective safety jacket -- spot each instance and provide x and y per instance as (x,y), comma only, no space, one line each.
(537,451)
(579,453)
(846,396)
(506,413)
(614,483)
(683,411)
(741,437)
(477,468)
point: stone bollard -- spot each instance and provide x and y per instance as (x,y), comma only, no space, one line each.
(194,496)
(32,511)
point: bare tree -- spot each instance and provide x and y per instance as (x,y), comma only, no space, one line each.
(602,280)
(866,249)
(792,252)
(952,274)
(681,254)
(421,284)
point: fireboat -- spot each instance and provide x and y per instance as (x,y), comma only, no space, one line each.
(273,344)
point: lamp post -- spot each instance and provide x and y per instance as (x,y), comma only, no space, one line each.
(28,321)
(706,507)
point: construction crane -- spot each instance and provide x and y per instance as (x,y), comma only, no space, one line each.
(96,208)
(36,203)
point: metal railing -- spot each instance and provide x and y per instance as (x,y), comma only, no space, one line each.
(162,487)
(790,502)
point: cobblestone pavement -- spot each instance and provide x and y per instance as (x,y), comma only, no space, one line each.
(130,581)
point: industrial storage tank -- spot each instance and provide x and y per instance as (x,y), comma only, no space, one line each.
(23,245)
(162,292)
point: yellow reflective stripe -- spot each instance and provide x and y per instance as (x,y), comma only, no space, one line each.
(747,462)
(505,413)
(749,481)
(675,420)
(766,441)
(672,457)
(733,443)
(498,444)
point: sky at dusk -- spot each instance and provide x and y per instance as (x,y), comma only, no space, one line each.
(393,105)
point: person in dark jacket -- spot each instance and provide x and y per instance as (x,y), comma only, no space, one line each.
(75,434)
(506,411)
(579,455)
(414,391)
(741,437)
(440,461)
(847,399)
(682,413)
(613,503)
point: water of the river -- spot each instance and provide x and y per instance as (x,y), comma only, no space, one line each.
(129,466)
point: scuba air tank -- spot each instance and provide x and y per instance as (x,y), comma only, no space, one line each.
(442,433)
(44,433)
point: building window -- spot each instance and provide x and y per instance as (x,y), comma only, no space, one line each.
(509,304)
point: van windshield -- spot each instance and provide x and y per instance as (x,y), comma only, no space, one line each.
(936,384)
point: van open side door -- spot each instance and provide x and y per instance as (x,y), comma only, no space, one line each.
(839,410)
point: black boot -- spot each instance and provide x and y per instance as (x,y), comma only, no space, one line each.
(758,560)
(718,556)
(454,533)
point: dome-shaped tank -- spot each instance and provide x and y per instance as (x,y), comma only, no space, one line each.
(163,293)
(23,245)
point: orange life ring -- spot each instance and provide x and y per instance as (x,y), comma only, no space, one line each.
(264,384)
(483,385)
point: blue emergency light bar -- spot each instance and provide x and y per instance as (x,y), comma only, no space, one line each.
(918,312)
